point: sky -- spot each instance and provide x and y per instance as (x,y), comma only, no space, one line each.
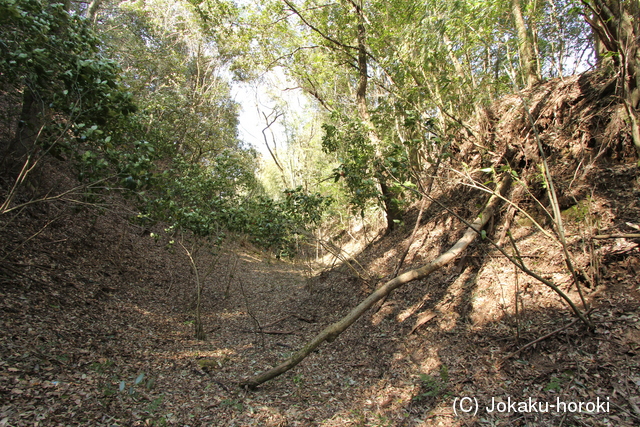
(263,97)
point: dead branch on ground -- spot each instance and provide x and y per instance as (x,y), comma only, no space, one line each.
(333,331)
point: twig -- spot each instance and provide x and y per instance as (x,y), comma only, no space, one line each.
(231,274)
(224,387)
(253,317)
(31,237)
(278,321)
(331,332)
(269,332)
(617,236)
(199,333)
(634,407)
(553,199)
(419,219)
(521,265)
(303,319)
(7,268)
(62,196)
(542,338)
(337,252)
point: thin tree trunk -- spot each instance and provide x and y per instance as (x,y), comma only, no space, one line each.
(92,10)
(389,197)
(525,46)
(331,332)
(616,26)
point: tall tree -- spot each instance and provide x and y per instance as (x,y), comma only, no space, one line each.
(61,81)
(616,25)
(526,45)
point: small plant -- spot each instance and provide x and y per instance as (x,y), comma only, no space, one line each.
(383,421)
(107,390)
(358,417)
(556,383)
(234,403)
(101,367)
(434,386)
(139,380)
(155,404)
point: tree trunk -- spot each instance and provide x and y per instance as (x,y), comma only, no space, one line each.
(92,10)
(616,27)
(389,197)
(331,332)
(525,46)
(23,143)
(392,208)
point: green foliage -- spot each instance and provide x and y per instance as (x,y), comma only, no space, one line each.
(102,367)
(132,388)
(298,379)
(357,161)
(55,56)
(434,386)
(176,151)
(155,404)
(363,171)
(556,384)
(278,224)
(233,403)
(147,108)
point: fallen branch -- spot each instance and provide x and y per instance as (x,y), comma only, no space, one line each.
(278,321)
(331,332)
(549,335)
(518,261)
(617,236)
(266,332)
(422,319)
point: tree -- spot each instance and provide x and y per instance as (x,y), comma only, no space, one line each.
(526,45)
(401,78)
(66,91)
(616,27)
(349,46)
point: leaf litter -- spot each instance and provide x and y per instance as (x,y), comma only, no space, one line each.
(97,316)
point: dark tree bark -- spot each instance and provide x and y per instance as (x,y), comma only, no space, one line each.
(389,197)
(92,10)
(24,141)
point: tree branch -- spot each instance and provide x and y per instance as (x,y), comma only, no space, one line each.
(335,42)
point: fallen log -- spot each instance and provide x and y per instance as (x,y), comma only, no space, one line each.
(331,332)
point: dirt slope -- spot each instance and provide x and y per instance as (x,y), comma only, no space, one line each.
(96,315)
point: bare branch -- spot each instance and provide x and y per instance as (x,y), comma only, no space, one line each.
(330,333)
(346,48)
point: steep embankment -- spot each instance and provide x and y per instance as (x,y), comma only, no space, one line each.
(89,303)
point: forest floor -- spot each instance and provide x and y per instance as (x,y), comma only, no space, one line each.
(97,329)
(96,315)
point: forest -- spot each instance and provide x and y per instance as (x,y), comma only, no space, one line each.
(319,213)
